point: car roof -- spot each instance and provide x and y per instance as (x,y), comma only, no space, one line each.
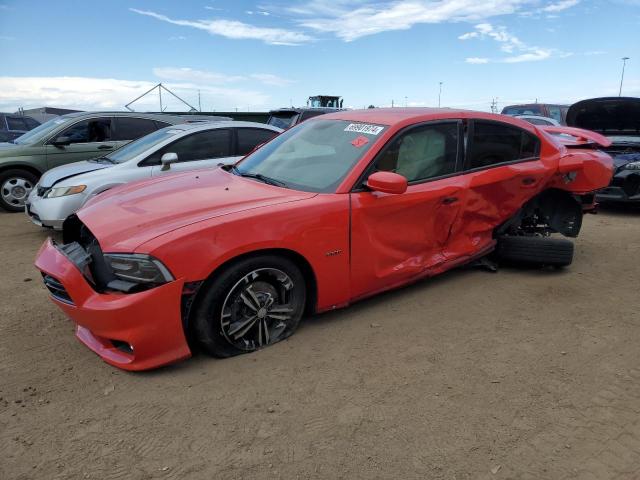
(392,116)
(162,117)
(197,126)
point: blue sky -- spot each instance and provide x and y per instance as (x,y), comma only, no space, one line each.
(267,54)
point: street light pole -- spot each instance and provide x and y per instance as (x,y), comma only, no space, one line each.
(439,94)
(624,62)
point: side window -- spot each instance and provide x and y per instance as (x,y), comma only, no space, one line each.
(87,131)
(133,128)
(494,143)
(16,123)
(422,153)
(197,146)
(250,138)
(555,112)
(31,123)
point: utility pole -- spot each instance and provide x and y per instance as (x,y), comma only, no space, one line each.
(199,104)
(392,103)
(439,94)
(160,95)
(406,104)
(494,105)
(624,62)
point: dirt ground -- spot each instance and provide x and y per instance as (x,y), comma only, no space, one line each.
(471,375)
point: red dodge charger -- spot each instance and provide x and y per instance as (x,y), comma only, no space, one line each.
(334,210)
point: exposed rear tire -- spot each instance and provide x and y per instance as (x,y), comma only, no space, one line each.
(15,186)
(543,251)
(251,304)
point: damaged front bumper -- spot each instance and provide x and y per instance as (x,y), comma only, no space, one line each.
(132,331)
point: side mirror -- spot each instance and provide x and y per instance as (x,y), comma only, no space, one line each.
(387,182)
(61,141)
(167,159)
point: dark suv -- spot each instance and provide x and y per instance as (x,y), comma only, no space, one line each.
(13,125)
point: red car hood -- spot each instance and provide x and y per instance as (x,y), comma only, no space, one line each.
(126,217)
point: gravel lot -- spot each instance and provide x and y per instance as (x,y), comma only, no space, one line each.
(520,374)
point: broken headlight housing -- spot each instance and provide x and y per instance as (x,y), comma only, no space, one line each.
(138,268)
(632,166)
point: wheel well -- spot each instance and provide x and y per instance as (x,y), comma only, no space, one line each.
(27,168)
(295,257)
(550,211)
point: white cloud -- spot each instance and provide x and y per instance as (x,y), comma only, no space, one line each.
(194,76)
(477,60)
(178,37)
(236,30)
(560,6)
(184,74)
(533,56)
(112,94)
(350,19)
(518,51)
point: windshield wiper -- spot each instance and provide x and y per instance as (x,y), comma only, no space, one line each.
(259,176)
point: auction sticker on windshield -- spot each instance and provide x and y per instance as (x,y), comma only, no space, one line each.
(364,128)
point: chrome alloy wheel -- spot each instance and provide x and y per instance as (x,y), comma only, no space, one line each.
(16,190)
(257,309)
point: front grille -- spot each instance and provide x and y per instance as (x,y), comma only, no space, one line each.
(56,289)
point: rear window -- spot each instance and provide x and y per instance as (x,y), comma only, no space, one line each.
(283,120)
(250,138)
(132,128)
(495,143)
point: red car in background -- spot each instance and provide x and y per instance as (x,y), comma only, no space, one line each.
(338,208)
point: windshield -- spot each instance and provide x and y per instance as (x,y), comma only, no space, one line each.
(41,131)
(315,156)
(141,145)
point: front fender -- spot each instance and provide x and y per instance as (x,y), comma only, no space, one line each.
(25,162)
(316,229)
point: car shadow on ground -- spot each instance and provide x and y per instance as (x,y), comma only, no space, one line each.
(363,308)
(619,209)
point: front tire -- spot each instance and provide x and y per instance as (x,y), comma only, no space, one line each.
(15,187)
(250,305)
(534,250)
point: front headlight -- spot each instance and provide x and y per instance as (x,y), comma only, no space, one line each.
(63,191)
(632,166)
(138,268)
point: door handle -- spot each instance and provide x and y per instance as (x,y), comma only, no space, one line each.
(528,181)
(449,200)
(105,147)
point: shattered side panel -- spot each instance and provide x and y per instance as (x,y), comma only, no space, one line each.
(493,196)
